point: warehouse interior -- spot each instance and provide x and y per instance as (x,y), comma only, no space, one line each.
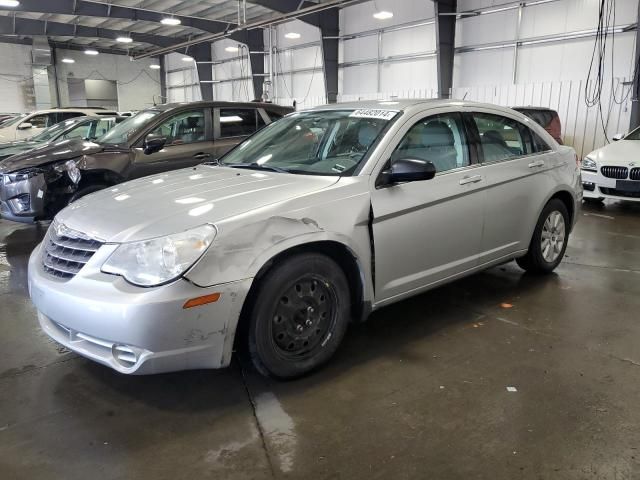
(499,375)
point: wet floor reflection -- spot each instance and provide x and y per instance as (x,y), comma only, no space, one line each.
(17,241)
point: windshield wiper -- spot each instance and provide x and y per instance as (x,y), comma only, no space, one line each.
(254,166)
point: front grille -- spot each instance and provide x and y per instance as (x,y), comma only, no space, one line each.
(619,193)
(619,173)
(635,174)
(65,254)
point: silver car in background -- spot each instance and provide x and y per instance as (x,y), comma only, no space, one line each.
(313,222)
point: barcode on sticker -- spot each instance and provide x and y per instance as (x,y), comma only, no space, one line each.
(374,113)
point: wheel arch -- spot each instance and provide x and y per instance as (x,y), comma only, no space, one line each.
(98,176)
(339,252)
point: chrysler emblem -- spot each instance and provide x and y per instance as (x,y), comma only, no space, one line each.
(61,230)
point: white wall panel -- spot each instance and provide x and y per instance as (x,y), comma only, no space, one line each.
(409,75)
(359,18)
(406,75)
(306,88)
(359,48)
(413,40)
(495,27)
(15,68)
(359,79)
(486,67)
(138,85)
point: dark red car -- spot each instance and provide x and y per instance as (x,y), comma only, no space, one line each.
(546,117)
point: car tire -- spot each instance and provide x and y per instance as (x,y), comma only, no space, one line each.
(549,240)
(86,191)
(298,316)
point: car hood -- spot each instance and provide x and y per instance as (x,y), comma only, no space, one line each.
(176,201)
(53,152)
(622,153)
(19,146)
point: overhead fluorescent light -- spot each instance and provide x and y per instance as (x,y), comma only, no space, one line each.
(383,15)
(187,59)
(155,66)
(68,60)
(9,3)
(124,39)
(91,52)
(171,21)
(292,35)
(231,49)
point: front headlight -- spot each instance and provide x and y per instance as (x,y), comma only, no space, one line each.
(588,164)
(160,260)
(21,175)
(71,168)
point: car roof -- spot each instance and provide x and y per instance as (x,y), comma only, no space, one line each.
(532,108)
(170,106)
(407,104)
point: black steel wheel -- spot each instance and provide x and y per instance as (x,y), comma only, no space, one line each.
(299,316)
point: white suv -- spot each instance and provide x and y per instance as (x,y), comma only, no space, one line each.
(28,125)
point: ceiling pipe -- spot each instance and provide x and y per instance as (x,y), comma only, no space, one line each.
(281,18)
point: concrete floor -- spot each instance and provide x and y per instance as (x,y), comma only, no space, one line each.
(420,391)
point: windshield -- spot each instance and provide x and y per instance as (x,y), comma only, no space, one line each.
(326,142)
(635,135)
(121,132)
(53,132)
(14,121)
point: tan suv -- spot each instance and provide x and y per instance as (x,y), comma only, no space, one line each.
(30,124)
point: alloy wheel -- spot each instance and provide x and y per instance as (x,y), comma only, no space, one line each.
(553,236)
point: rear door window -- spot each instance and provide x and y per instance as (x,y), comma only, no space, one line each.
(238,122)
(501,138)
(43,120)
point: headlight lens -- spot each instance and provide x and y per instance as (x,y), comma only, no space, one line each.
(71,168)
(160,260)
(21,175)
(588,164)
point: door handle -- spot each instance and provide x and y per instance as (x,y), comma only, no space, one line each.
(536,164)
(473,179)
(202,156)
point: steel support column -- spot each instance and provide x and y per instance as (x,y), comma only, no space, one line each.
(202,53)
(634,121)
(329,24)
(445,44)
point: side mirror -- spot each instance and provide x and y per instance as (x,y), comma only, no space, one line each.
(153,144)
(25,126)
(617,136)
(408,170)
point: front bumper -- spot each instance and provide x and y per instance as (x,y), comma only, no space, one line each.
(22,201)
(596,185)
(131,329)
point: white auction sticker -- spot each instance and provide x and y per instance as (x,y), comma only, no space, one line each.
(374,113)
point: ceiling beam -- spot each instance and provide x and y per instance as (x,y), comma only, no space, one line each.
(88,8)
(29,27)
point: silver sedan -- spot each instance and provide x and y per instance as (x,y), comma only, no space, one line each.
(313,222)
